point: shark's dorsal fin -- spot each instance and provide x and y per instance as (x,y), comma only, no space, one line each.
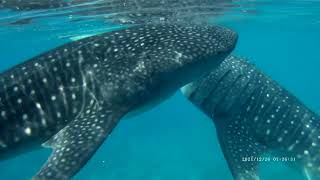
(74,145)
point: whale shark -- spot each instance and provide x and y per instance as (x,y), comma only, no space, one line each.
(71,97)
(255,116)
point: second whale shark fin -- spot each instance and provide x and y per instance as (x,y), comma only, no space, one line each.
(240,149)
(74,145)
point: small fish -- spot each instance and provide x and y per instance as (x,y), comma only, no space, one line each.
(70,98)
(254,115)
(22,21)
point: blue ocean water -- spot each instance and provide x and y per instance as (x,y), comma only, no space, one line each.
(175,141)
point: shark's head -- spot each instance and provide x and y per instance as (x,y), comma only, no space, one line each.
(156,58)
(191,51)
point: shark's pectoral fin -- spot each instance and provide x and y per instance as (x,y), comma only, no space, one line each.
(240,149)
(74,145)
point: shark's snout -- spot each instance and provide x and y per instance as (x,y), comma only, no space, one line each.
(219,42)
(227,40)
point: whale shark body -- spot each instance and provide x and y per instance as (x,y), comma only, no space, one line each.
(254,115)
(70,98)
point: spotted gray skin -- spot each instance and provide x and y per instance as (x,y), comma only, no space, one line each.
(254,115)
(73,96)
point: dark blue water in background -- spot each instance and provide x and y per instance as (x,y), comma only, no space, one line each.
(175,141)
